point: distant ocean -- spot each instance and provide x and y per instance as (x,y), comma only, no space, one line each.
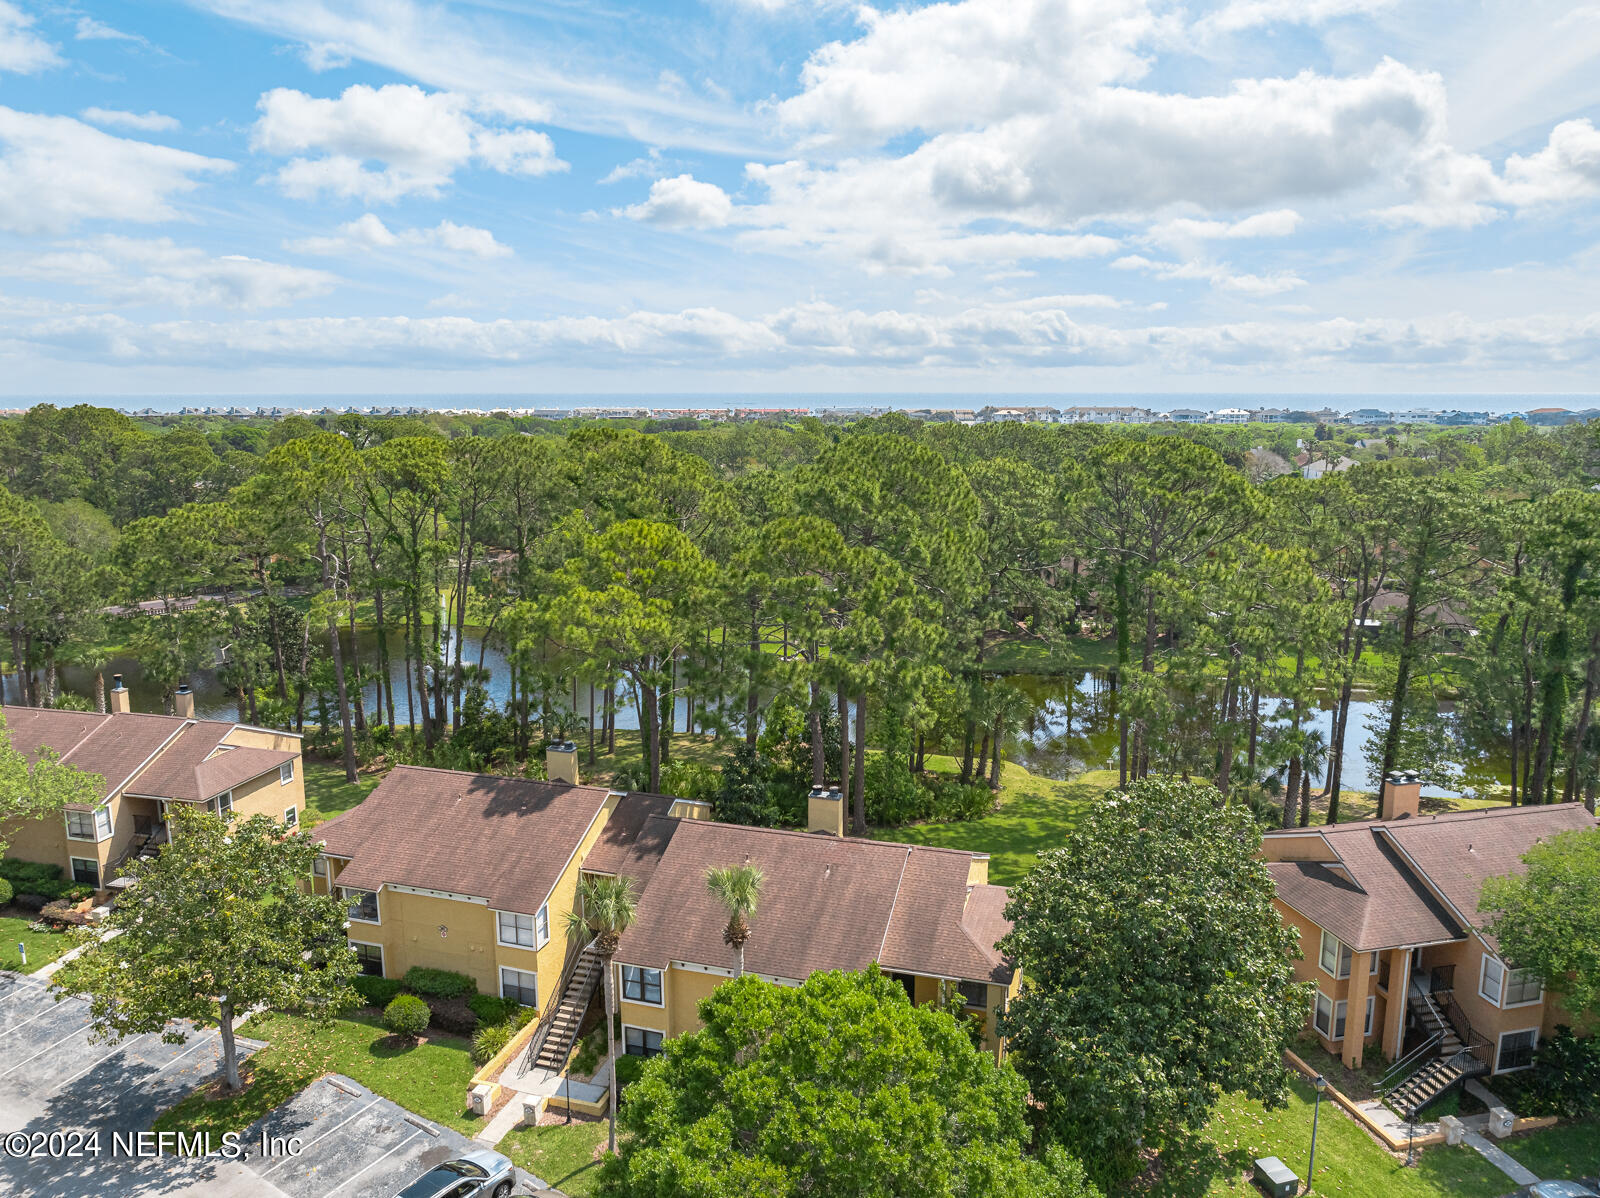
(902,401)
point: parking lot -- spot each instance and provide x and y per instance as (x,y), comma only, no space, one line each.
(352,1144)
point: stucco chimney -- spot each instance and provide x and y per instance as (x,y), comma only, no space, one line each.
(1402,790)
(561,762)
(825,811)
(121,700)
(183,703)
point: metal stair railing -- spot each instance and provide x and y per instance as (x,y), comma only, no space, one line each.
(1407,1067)
(1474,1043)
(568,967)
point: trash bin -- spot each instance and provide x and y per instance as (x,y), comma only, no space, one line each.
(1276,1179)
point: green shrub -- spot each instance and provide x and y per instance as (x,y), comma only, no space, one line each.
(439,983)
(33,877)
(591,1050)
(376,992)
(522,1016)
(951,799)
(690,780)
(489,1009)
(406,1015)
(5,892)
(452,1015)
(1564,1080)
(894,796)
(745,793)
(629,1070)
(491,1038)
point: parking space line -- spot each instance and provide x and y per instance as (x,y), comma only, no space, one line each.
(379,1161)
(23,988)
(323,1136)
(101,1061)
(74,1032)
(26,1022)
(145,1080)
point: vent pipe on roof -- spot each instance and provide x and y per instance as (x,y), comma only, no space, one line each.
(121,700)
(183,702)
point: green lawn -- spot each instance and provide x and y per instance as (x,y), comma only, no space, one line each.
(43,947)
(1564,1151)
(328,794)
(1035,814)
(1350,1164)
(562,1155)
(430,1078)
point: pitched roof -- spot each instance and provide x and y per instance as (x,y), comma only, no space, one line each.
(1381,898)
(633,838)
(826,903)
(113,746)
(505,840)
(188,770)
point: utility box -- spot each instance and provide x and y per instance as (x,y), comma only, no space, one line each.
(1276,1179)
(1501,1122)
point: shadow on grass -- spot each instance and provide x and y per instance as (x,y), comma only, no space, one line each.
(1188,1168)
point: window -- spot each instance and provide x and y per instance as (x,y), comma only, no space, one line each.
(1523,986)
(520,987)
(1373,966)
(80,825)
(1335,957)
(86,870)
(1339,1009)
(1322,1015)
(291,817)
(363,904)
(1492,981)
(1372,1005)
(319,868)
(370,958)
(1516,1049)
(516,929)
(976,994)
(222,805)
(641,1042)
(286,773)
(542,925)
(641,985)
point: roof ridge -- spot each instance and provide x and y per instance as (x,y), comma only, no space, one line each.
(865,841)
(894,903)
(434,769)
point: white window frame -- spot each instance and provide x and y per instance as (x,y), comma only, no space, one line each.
(286,773)
(644,1031)
(72,868)
(514,916)
(527,973)
(383,964)
(319,867)
(1500,1044)
(1341,1019)
(1506,982)
(221,805)
(661,984)
(1317,1004)
(93,819)
(346,891)
(541,926)
(1342,956)
(1499,982)
(291,817)
(1372,1007)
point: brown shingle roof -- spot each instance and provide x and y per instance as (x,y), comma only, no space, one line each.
(825,903)
(113,746)
(505,840)
(187,770)
(623,846)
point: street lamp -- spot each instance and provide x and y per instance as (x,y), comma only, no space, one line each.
(1321,1084)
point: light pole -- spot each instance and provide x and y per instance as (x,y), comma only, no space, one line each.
(1321,1084)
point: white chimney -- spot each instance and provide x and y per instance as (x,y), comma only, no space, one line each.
(561,762)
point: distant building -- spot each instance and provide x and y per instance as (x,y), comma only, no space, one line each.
(1322,466)
(1230,416)
(1022,415)
(1186,416)
(1551,416)
(1271,416)
(1370,416)
(1114,414)
(1464,418)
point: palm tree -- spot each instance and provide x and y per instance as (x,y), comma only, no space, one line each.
(737,887)
(95,660)
(605,908)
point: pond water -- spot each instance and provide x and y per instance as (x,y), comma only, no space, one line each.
(1070,727)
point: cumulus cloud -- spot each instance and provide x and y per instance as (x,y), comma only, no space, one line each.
(127,270)
(419,138)
(23,51)
(1219,275)
(367,233)
(683,202)
(1249,14)
(147,122)
(1279,223)
(1568,168)
(56,171)
(821,334)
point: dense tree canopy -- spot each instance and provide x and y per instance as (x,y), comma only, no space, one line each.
(1545,918)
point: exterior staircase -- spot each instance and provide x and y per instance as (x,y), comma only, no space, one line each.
(556,1042)
(1442,1063)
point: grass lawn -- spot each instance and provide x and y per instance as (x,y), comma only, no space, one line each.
(43,947)
(430,1079)
(1350,1164)
(1564,1151)
(1035,814)
(562,1155)
(328,794)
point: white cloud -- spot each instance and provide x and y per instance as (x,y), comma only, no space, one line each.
(1248,14)
(126,270)
(56,172)
(148,122)
(21,49)
(420,137)
(1279,223)
(813,334)
(1568,168)
(1218,275)
(684,202)
(648,167)
(367,233)
(91,30)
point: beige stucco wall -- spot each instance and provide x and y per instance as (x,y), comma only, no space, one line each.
(1306,847)
(262,738)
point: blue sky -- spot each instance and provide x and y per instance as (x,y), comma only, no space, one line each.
(385,196)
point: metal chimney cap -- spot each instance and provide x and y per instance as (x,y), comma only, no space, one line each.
(563,746)
(116,682)
(818,792)
(183,688)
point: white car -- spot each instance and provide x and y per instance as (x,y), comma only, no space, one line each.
(1561,1189)
(476,1174)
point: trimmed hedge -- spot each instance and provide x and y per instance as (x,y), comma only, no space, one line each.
(6,892)
(489,1009)
(439,983)
(376,992)
(34,877)
(452,1015)
(406,1016)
